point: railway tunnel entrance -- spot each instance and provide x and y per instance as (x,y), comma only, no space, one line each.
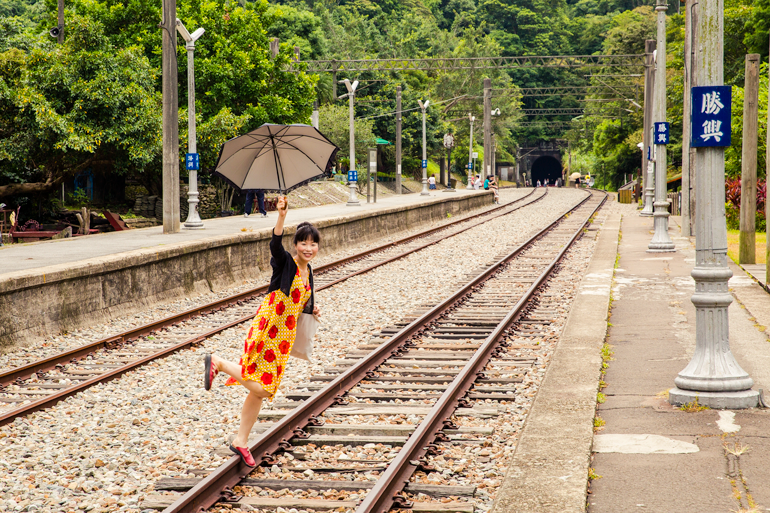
(546,168)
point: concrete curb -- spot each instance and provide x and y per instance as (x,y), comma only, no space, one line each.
(85,292)
(549,469)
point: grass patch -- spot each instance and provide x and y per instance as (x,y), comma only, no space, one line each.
(592,475)
(733,247)
(693,407)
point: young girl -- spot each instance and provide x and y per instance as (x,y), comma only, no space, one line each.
(273,330)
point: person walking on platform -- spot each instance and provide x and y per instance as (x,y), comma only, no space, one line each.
(273,331)
(260,194)
(432,182)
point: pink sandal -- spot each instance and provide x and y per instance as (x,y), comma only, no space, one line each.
(209,372)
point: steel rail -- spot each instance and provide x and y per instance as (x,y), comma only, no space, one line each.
(209,490)
(150,328)
(392,481)
(50,400)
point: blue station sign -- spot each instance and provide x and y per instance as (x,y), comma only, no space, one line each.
(711,116)
(424,164)
(192,161)
(352,175)
(661,133)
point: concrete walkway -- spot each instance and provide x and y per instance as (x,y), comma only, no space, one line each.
(653,457)
(19,257)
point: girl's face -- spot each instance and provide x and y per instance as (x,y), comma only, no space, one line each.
(306,250)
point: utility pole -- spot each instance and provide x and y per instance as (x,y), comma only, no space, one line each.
(767,203)
(469,187)
(712,377)
(487,128)
(647,169)
(688,152)
(661,242)
(193,221)
(170,120)
(747,242)
(398,139)
(424,107)
(60,35)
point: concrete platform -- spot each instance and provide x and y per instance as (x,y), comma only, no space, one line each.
(649,456)
(77,282)
(654,457)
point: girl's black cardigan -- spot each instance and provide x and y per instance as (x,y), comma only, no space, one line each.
(284,271)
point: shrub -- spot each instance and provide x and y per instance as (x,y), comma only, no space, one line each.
(733,204)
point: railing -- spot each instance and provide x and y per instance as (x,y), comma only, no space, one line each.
(675,203)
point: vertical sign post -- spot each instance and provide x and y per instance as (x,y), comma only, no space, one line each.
(661,242)
(398,139)
(712,377)
(648,171)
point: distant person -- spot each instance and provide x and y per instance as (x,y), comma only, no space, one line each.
(274,329)
(477,182)
(577,183)
(492,181)
(486,183)
(432,182)
(260,194)
(539,184)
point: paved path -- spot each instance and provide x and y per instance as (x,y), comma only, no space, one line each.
(653,457)
(19,257)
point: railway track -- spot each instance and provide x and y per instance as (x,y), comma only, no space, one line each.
(45,382)
(404,391)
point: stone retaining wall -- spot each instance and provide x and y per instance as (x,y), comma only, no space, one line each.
(48,300)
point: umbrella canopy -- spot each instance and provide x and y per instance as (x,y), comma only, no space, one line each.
(574,176)
(276,158)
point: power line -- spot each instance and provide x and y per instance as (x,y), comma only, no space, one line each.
(465,63)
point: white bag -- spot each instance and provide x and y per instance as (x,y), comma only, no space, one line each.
(307,325)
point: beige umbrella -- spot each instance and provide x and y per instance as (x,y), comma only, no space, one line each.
(276,158)
(574,176)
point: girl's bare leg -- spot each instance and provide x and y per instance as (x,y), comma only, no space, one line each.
(251,406)
(249,412)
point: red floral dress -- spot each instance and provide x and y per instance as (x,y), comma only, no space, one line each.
(272,335)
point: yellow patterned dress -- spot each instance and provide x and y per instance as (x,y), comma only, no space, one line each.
(272,336)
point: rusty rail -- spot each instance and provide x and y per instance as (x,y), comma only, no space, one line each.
(210,489)
(385,493)
(148,329)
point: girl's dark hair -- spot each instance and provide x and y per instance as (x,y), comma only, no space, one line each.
(306,231)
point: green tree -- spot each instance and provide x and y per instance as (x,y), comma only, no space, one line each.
(65,108)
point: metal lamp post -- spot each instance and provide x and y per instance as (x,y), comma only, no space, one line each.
(449,143)
(469,187)
(424,107)
(352,174)
(193,221)
(661,242)
(712,376)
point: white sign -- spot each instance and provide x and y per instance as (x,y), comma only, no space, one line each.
(398,169)
(475,154)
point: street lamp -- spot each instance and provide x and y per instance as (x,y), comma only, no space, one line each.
(424,107)
(352,175)
(469,187)
(193,221)
(449,142)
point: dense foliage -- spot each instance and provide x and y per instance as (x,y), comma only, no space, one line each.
(94,102)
